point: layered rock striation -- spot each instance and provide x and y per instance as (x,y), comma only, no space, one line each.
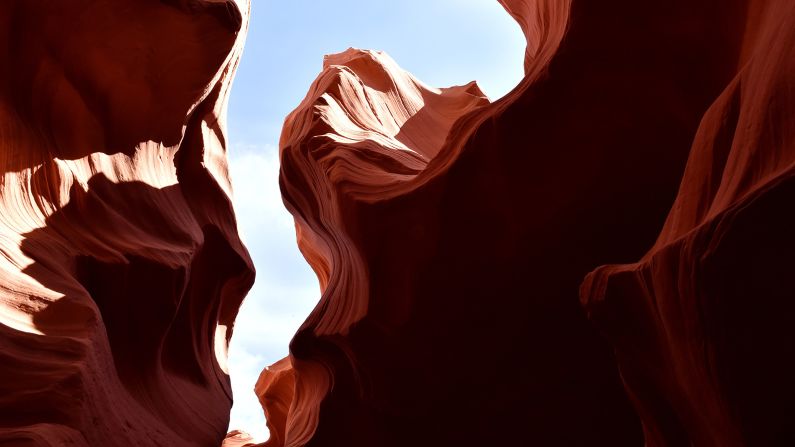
(702,324)
(451,262)
(121,270)
(452,236)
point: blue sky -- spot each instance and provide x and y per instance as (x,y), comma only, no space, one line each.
(442,42)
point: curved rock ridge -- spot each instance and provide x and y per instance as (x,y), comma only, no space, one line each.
(275,389)
(237,438)
(543,24)
(365,129)
(702,324)
(450,313)
(363,112)
(121,270)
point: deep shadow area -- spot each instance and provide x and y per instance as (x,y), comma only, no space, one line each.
(94,76)
(137,269)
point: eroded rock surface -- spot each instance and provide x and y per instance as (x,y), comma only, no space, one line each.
(703,324)
(451,269)
(121,270)
(450,234)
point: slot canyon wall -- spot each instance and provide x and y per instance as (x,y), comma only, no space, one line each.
(601,257)
(121,270)
(454,238)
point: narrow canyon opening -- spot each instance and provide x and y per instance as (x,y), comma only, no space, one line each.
(442,44)
(600,257)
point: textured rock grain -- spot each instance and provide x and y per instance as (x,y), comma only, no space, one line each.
(451,264)
(703,324)
(121,270)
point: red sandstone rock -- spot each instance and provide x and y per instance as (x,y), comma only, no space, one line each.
(275,389)
(703,324)
(449,234)
(450,312)
(121,270)
(237,438)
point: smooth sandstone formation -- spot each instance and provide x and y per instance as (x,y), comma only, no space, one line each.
(121,270)
(451,261)
(362,113)
(451,235)
(703,324)
(237,438)
(275,389)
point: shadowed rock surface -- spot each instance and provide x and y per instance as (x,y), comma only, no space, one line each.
(121,270)
(703,324)
(450,234)
(451,270)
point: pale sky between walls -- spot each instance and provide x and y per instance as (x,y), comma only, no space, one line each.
(441,42)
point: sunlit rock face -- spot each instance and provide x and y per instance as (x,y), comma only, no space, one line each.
(121,270)
(451,235)
(237,438)
(703,324)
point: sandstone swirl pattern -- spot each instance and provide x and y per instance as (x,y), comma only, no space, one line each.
(121,271)
(453,236)
(451,263)
(703,324)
